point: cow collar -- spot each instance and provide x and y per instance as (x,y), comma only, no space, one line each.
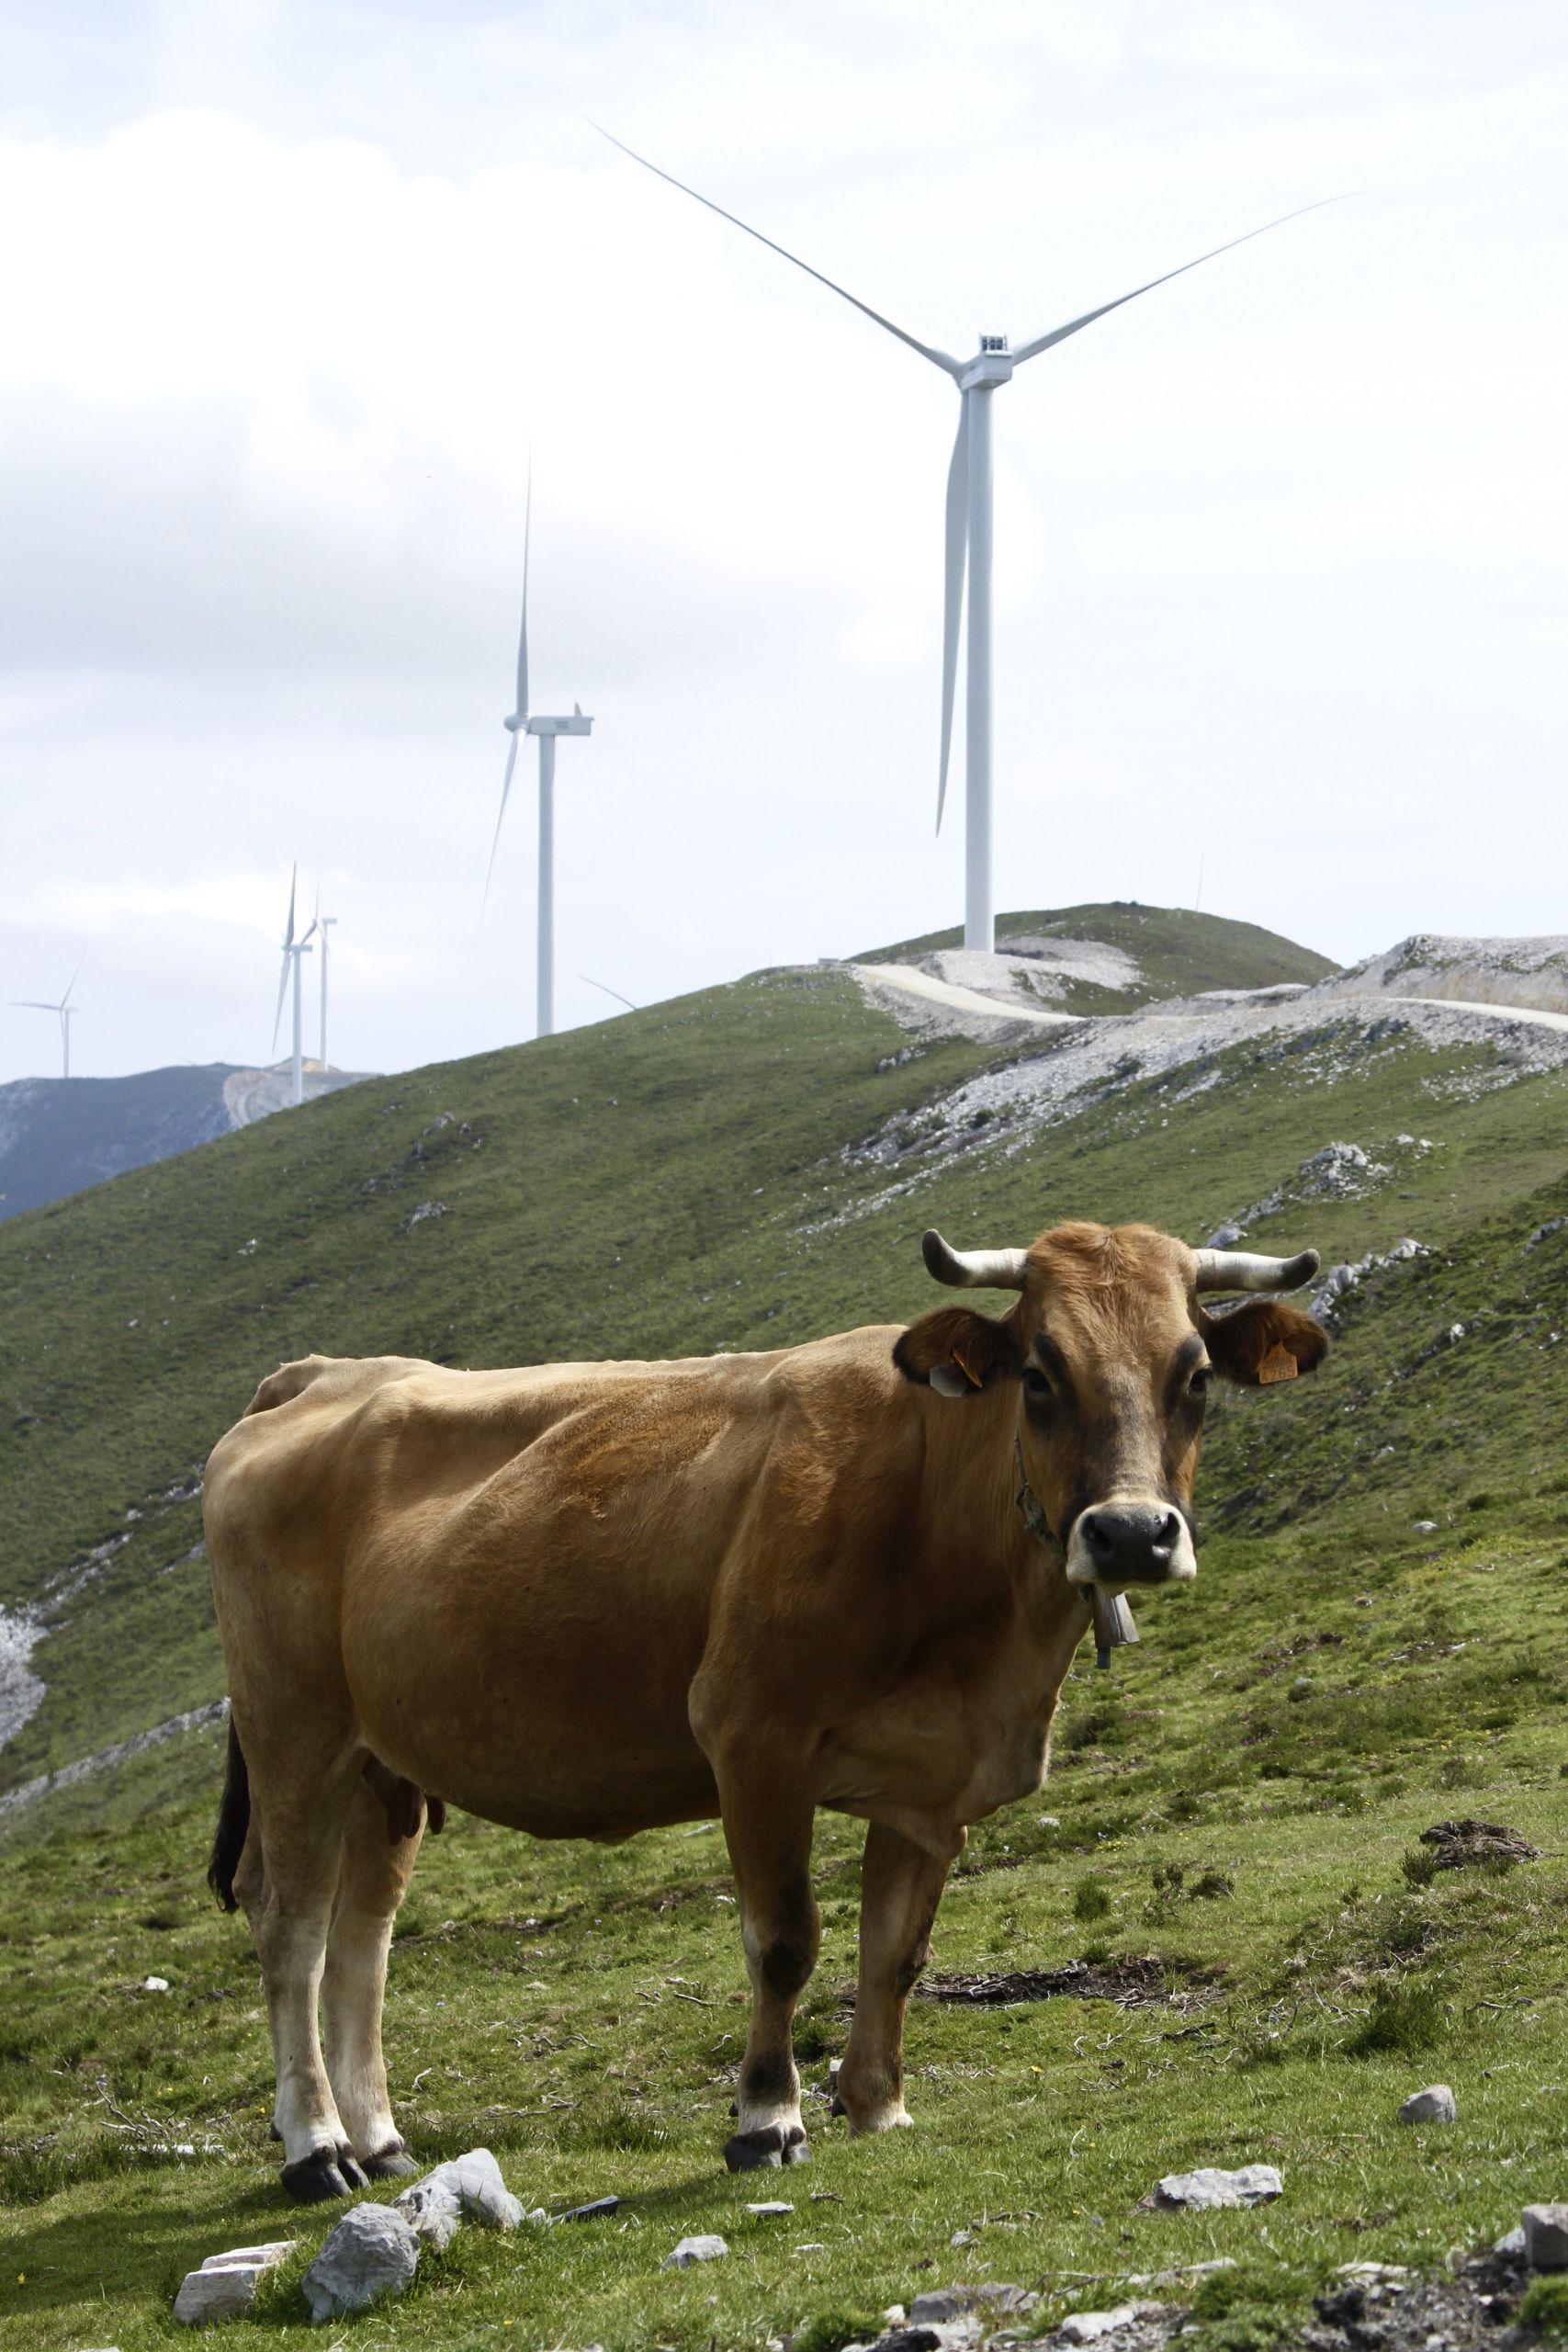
(1113,1618)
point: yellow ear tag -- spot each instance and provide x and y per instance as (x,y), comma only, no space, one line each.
(972,1377)
(1277,1365)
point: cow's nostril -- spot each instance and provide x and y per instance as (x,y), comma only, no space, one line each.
(1102,1541)
(1168,1533)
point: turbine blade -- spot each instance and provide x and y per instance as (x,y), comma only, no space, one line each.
(928,351)
(1060,334)
(33,1004)
(500,820)
(521,708)
(288,934)
(282,992)
(606,990)
(76,976)
(304,936)
(957,556)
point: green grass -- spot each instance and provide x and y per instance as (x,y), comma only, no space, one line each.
(1177,953)
(1239,1803)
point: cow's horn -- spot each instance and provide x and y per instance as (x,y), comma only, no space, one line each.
(1241,1270)
(973,1269)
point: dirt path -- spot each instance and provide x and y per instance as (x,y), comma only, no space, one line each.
(1491,1011)
(912,981)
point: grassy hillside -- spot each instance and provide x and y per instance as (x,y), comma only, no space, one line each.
(1178,953)
(1374,1644)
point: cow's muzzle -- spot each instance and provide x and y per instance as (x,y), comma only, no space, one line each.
(1129,1540)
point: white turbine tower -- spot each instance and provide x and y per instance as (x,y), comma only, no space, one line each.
(526,722)
(63,1010)
(293,949)
(969,529)
(325,924)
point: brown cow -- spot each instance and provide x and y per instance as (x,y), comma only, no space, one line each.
(586,1600)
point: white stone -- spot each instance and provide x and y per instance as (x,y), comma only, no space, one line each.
(812,2245)
(1546,2237)
(769,2207)
(1211,2187)
(1426,1526)
(1087,2327)
(154,1984)
(372,2252)
(1436,2103)
(698,2249)
(468,2187)
(226,2284)
(1512,2241)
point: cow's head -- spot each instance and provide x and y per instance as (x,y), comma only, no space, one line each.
(1111,1351)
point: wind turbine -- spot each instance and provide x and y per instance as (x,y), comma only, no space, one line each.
(526,722)
(63,1010)
(293,949)
(325,924)
(968,529)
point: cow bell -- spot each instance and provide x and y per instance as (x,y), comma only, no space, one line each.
(1112,1623)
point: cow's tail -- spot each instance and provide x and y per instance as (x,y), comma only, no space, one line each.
(233,1821)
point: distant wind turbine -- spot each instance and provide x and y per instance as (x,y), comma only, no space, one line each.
(968,529)
(526,722)
(293,949)
(63,1010)
(326,923)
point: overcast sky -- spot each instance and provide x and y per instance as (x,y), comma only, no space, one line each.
(1280,548)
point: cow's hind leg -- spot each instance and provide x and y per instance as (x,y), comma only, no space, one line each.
(288,1890)
(901,1885)
(380,1845)
(769,1836)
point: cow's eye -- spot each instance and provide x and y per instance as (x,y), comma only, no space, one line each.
(1199,1383)
(1035,1380)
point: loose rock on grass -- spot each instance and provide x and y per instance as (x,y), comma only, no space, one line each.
(226,2284)
(372,2252)
(468,2187)
(1209,2187)
(1436,2103)
(697,2249)
(1546,2237)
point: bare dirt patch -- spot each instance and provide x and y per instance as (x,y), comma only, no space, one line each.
(1132,1984)
(1456,1843)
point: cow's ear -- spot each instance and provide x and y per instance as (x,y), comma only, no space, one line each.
(1264,1342)
(955,1351)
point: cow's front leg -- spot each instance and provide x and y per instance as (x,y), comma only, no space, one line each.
(901,1885)
(768,1830)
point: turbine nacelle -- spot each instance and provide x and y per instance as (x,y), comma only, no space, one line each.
(992,363)
(576,724)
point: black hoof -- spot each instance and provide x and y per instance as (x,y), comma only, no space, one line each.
(316,2178)
(273,2132)
(765,2150)
(391,2163)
